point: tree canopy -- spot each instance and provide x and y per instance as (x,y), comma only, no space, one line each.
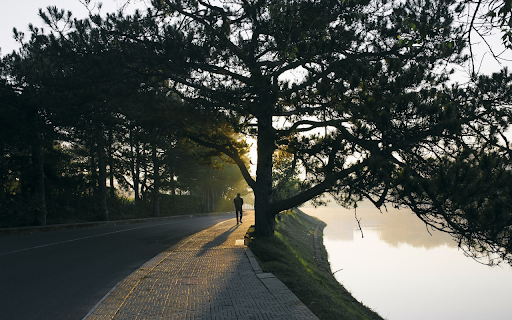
(347,97)
(80,136)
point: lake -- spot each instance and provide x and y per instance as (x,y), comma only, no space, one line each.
(402,272)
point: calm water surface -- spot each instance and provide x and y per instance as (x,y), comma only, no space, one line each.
(402,272)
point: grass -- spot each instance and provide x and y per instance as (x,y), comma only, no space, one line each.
(290,256)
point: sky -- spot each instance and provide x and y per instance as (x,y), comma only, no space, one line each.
(20,13)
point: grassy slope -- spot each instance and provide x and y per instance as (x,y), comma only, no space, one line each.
(290,256)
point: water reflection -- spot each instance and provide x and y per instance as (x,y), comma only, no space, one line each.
(394,226)
(402,272)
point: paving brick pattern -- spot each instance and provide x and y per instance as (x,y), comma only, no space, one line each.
(209,275)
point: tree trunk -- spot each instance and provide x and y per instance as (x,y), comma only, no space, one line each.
(205,198)
(135,169)
(39,190)
(94,173)
(136,180)
(213,199)
(102,180)
(156,183)
(144,184)
(263,192)
(208,200)
(111,167)
(173,184)
(2,170)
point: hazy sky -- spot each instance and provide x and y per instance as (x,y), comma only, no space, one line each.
(20,13)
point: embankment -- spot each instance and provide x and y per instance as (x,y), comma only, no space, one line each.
(300,262)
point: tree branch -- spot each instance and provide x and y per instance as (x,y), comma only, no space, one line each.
(317,190)
(231,152)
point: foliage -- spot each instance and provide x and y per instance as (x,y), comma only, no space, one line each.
(365,67)
(285,176)
(367,114)
(102,137)
(352,97)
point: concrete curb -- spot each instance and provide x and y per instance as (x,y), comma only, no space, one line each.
(254,263)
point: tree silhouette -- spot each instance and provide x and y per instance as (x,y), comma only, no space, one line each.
(363,91)
(355,93)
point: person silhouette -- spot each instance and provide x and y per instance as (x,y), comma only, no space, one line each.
(238,202)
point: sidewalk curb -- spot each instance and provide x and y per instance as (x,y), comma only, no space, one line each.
(254,263)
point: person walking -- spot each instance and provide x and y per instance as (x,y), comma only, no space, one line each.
(238,201)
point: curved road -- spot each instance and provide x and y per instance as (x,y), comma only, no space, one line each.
(63,274)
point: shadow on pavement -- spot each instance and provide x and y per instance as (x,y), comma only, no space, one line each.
(217,241)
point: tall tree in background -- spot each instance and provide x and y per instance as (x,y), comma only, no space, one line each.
(71,99)
(359,67)
(27,106)
(354,91)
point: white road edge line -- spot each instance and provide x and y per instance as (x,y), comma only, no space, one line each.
(88,237)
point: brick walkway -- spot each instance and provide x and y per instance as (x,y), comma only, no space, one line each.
(209,275)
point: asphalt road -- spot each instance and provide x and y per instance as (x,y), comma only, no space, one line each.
(64,274)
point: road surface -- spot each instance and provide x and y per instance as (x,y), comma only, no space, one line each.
(63,274)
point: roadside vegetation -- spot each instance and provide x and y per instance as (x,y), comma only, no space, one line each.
(290,256)
(72,195)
